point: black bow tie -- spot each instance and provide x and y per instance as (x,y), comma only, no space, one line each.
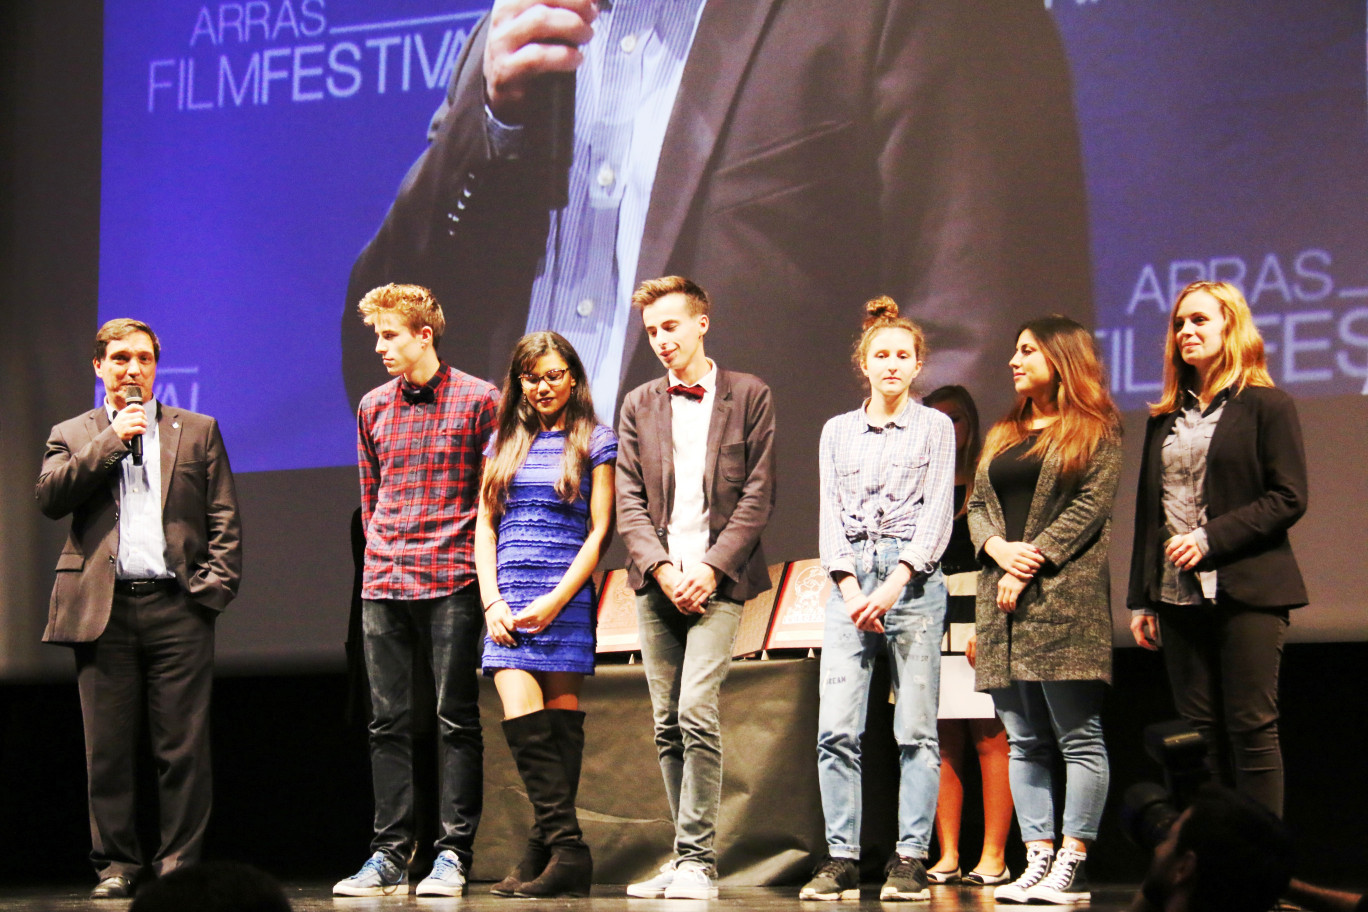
(416,394)
(694,392)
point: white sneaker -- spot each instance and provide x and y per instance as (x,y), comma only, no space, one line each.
(1066,884)
(378,877)
(1037,866)
(447,877)
(691,881)
(655,887)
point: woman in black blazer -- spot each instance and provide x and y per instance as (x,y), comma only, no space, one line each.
(1222,479)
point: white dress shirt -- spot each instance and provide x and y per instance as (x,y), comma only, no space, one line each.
(142,537)
(687,535)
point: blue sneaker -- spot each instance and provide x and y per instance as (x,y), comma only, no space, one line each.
(378,877)
(447,877)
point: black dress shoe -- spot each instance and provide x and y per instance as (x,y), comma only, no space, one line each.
(114,887)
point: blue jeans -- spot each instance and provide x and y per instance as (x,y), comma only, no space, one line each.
(447,631)
(687,657)
(912,636)
(1039,715)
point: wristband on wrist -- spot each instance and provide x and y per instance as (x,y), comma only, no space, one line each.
(495,602)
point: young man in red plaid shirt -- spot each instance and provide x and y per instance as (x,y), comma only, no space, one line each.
(420,444)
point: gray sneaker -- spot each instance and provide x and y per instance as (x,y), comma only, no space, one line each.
(447,877)
(655,887)
(834,879)
(691,881)
(378,877)
(906,881)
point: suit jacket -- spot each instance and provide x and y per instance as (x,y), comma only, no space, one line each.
(1256,490)
(1061,629)
(738,481)
(199,516)
(819,153)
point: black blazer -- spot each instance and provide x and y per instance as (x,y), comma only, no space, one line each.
(1256,490)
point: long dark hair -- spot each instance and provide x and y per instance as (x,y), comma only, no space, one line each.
(519,422)
(1087,415)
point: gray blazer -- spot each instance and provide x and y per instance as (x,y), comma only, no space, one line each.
(199,515)
(738,480)
(1061,629)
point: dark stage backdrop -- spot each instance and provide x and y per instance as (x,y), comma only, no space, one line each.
(217,168)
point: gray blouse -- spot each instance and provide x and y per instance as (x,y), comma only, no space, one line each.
(1183,477)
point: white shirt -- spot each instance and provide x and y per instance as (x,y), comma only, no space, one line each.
(142,537)
(687,535)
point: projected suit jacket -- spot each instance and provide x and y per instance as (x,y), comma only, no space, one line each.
(818,154)
(199,515)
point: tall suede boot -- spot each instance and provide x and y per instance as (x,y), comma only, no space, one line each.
(536,855)
(541,761)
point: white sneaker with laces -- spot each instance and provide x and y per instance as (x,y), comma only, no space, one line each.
(655,887)
(447,877)
(691,881)
(1066,884)
(1037,866)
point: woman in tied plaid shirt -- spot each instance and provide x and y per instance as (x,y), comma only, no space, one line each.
(887,483)
(546,512)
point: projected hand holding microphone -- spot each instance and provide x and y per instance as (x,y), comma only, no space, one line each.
(529,66)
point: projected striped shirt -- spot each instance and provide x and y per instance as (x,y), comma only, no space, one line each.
(624,92)
(420,482)
(892,481)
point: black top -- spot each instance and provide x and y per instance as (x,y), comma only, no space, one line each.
(959,556)
(1014,476)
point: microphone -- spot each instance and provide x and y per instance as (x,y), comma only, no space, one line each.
(133,396)
(560,136)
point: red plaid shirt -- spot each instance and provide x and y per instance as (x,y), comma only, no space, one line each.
(420,483)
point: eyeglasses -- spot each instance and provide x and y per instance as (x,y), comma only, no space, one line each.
(553,377)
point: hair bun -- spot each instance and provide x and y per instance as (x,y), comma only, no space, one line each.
(881,308)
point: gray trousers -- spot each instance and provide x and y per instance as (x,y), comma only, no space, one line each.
(687,657)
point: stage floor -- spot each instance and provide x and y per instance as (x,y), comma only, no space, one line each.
(310,897)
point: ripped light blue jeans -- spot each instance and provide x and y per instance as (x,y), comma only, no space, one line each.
(912,636)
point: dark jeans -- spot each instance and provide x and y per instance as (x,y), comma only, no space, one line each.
(154,659)
(448,632)
(1223,661)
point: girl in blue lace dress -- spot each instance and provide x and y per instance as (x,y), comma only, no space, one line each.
(546,508)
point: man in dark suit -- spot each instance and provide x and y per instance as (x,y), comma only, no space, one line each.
(695,487)
(829,152)
(154,554)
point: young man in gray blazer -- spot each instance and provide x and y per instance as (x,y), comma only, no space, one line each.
(154,554)
(695,487)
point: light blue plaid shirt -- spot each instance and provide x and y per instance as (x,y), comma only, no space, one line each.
(624,92)
(895,481)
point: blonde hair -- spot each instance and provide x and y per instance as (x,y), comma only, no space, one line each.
(882,313)
(1241,361)
(652,290)
(1087,415)
(413,303)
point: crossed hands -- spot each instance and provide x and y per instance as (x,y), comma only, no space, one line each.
(690,588)
(503,627)
(1020,560)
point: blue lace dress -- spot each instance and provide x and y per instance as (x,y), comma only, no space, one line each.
(539,536)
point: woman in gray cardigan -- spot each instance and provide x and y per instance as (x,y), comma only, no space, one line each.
(1040,518)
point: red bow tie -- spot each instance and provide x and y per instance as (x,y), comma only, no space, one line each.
(694,392)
